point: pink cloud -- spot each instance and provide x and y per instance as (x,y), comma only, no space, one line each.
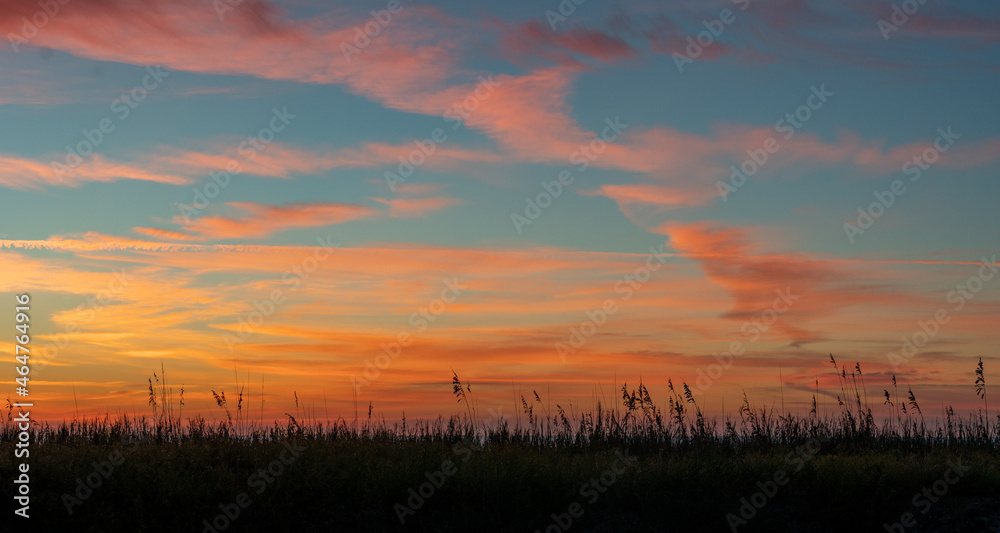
(822,287)
(528,41)
(413,68)
(407,69)
(22,173)
(646,204)
(649,194)
(416,207)
(682,169)
(179,167)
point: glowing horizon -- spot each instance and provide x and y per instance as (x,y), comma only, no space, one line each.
(347,205)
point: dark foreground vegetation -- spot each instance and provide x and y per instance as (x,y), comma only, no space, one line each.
(633,467)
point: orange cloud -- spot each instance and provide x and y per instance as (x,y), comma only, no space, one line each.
(643,204)
(281,160)
(165,234)
(357,299)
(264,220)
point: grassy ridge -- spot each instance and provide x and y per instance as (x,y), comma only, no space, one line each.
(355,482)
(630,468)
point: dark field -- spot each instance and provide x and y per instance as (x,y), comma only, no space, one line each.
(631,468)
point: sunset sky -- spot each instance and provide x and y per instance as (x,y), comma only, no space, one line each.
(538,196)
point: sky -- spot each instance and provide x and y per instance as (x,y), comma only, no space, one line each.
(345,204)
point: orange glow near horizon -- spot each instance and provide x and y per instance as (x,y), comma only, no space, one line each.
(316,322)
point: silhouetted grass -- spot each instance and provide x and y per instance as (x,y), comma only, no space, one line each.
(850,471)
